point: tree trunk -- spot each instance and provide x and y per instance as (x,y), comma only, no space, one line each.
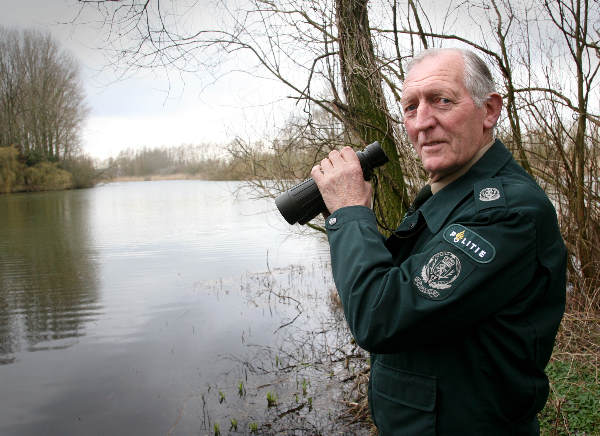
(365,112)
(580,155)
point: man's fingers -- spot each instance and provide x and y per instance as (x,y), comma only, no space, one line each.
(326,164)
(348,154)
(338,177)
(316,173)
(335,157)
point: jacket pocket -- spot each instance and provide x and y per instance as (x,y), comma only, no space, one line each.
(403,403)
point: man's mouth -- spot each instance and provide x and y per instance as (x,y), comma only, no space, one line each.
(431,143)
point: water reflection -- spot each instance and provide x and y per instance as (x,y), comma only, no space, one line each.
(48,280)
(144,301)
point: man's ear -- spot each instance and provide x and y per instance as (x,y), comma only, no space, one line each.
(493,107)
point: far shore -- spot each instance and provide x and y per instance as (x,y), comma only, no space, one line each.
(157,177)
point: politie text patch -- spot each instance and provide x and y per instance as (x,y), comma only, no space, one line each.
(475,246)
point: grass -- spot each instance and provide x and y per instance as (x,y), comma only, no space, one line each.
(573,406)
(271,399)
(304,387)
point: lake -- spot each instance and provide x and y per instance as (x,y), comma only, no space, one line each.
(166,308)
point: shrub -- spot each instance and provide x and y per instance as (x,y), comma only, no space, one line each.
(10,169)
(47,176)
(82,170)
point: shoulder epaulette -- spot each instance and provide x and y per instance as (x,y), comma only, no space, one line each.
(489,194)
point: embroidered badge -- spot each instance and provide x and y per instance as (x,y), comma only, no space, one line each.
(474,245)
(438,274)
(489,194)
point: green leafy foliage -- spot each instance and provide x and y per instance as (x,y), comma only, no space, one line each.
(573,407)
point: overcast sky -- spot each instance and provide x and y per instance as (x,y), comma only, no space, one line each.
(148,108)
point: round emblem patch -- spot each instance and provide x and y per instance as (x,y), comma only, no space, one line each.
(489,194)
(441,270)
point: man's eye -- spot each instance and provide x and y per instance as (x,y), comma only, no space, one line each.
(445,100)
(410,107)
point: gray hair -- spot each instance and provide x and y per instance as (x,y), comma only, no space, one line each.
(477,76)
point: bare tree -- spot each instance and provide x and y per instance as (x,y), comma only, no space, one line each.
(364,112)
(575,41)
(41,97)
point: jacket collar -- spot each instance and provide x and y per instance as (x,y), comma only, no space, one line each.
(437,209)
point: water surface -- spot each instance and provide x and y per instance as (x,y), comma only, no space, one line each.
(143,307)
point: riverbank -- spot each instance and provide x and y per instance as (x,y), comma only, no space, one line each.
(20,175)
(155,177)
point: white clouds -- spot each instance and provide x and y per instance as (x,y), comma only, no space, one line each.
(149,111)
(105,136)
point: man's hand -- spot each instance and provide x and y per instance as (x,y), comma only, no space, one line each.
(341,182)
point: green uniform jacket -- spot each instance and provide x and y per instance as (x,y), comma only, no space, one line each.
(460,307)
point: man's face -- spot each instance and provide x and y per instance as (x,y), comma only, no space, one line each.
(443,123)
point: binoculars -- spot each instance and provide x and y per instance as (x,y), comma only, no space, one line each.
(302,202)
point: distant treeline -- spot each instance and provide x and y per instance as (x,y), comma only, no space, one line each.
(194,161)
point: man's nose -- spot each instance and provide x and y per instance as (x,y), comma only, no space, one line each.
(425,118)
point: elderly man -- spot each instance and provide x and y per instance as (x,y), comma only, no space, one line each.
(460,306)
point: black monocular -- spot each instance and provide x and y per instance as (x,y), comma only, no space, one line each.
(302,202)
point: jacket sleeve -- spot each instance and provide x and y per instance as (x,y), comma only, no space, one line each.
(447,286)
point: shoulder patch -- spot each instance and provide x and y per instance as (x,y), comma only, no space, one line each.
(488,194)
(437,276)
(470,243)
